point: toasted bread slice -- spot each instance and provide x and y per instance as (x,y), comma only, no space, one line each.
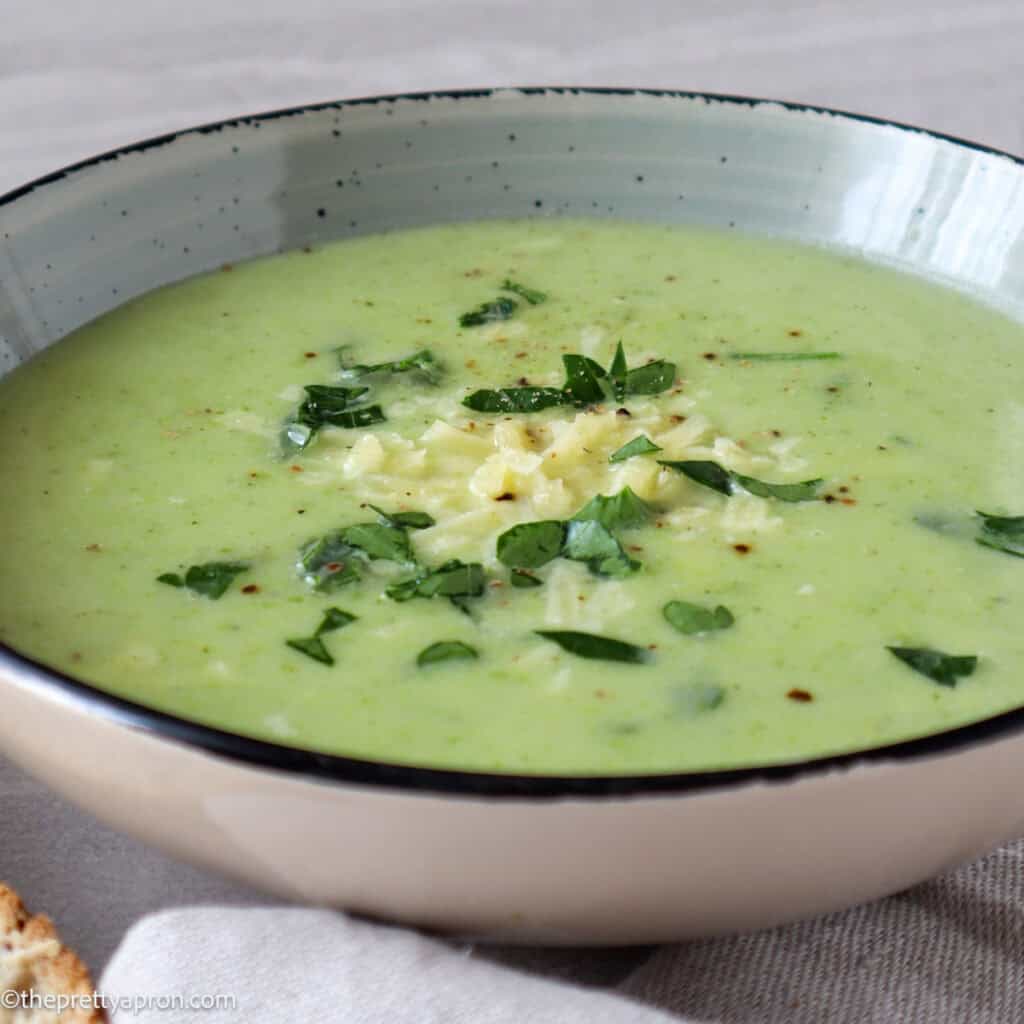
(33,961)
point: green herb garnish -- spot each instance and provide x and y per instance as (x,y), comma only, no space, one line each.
(590,645)
(944,669)
(334,618)
(445,650)
(693,618)
(783,357)
(586,383)
(499,309)
(584,380)
(408,520)
(725,481)
(640,445)
(454,579)
(616,511)
(379,541)
(328,562)
(515,399)
(325,405)
(524,580)
(651,379)
(422,362)
(313,647)
(590,541)
(1002,533)
(211,579)
(532,296)
(531,545)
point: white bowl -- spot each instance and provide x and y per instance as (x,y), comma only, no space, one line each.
(540,859)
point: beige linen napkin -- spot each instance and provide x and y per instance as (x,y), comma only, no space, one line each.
(289,965)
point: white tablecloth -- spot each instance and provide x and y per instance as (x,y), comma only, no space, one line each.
(78,77)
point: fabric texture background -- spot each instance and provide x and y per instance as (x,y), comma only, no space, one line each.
(80,77)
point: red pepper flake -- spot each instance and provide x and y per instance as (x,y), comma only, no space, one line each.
(677,418)
(844,489)
(670,277)
(475,272)
(76,655)
(226,268)
(833,389)
(848,501)
(496,583)
(251,588)
(93,547)
(710,356)
(424,320)
(623,412)
(520,355)
(334,566)
(301,511)
(794,332)
(801,696)
(601,694)
(776,433)
(635,547)
(310,355)
(742,549)
(523,382)
(507,496)
(470,364)
(307,248)
(295,469)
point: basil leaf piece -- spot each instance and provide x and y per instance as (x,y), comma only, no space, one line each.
(408,520)
(693,618)
(454,579)
(313,647)
(515,399)
(590,645)
(445,650)
(211,579)
(590,541)
(353,419)
(783,357)
(615,511)
(378,541)
(532,296)
(651,379)
(531,545)
(499,309)
(711,474)
(324,402)
(334,618)
(944,669)
(1002,533)
(617,373)
(583,380)
(327,563)
(807,490)
(524,580)
(640,445)
(423,362)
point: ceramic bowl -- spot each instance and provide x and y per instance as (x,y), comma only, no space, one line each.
(540,859)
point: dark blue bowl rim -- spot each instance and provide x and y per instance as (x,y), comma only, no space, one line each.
(471,784)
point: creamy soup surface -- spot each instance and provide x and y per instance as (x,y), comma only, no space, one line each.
(751,536)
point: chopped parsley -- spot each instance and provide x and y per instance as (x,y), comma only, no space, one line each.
(591,645)
(211,579)
(693,618)
(944,669)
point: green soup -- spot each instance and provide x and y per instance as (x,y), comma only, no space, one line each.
(510,619)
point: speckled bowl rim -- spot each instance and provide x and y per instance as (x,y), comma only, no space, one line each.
(469,784)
